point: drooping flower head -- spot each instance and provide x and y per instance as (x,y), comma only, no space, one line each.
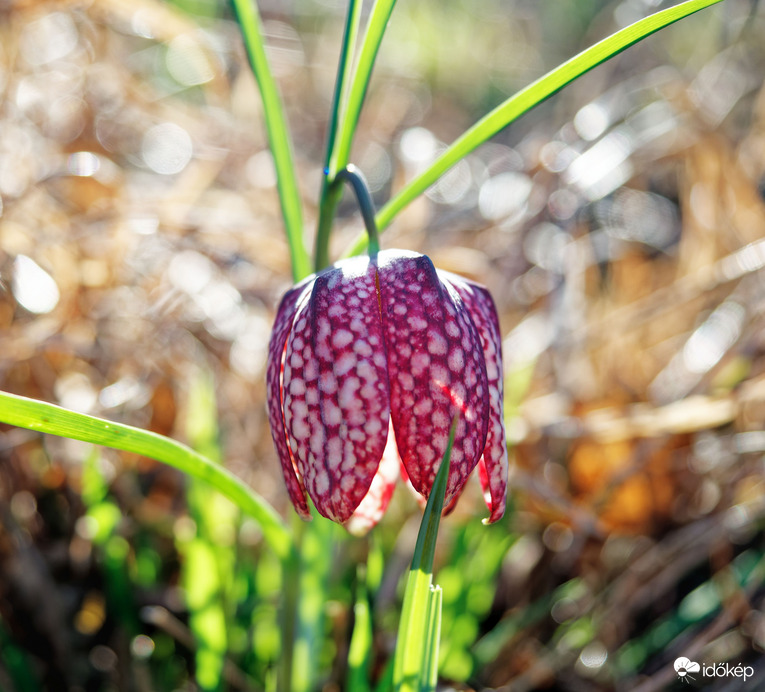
(369,362)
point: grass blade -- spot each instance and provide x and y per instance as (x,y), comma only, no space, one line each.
(340,142)
(330,195)
(378,21)
(54,420)
(278,135)
(360,649)
(430,669)
(525,99)
(317,548)
(209,566)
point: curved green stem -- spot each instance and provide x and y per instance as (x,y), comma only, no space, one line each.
(330,199)
(355,178)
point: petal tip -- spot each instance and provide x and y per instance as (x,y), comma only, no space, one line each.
(495,516)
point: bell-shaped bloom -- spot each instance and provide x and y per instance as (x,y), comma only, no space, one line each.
(369,363)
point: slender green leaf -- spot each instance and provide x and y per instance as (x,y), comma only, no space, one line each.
(278,135)
(412,660)
(433,637)
(342,87)
(49,418)
(339,148)
(370,45)
(525,100)
(330,194)
(410,654)
(425,548)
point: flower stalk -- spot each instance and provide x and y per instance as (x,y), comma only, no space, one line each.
(355,178)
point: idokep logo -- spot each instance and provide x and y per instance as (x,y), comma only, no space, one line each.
(688,670)
(684,667)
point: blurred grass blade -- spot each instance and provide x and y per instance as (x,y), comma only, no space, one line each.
(203,589)
(412,659)
(278,134)
(469,574)
(208,565)
(315,562)
(360,649)
(526,99)
(385,683)
(330,195)
(375,564)
(54,420)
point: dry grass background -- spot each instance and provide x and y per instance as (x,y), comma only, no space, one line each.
(621,229)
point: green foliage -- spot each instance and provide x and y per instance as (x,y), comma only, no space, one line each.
(48,418)
(350,90)
(268,607)
(361,644)
(468,580)
(415,661)
(208,552)
(309,579)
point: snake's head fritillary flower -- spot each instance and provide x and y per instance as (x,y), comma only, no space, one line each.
(369,362)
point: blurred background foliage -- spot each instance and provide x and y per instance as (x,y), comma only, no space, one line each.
(620,227)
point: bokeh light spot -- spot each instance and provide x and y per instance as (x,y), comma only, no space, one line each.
(34,289)
(166,148)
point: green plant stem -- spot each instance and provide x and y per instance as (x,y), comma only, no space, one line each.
(278,135)
(346,112)
(54,420)
(326,217)
(417,647)
(355,178)
(330,195)
(526,99)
